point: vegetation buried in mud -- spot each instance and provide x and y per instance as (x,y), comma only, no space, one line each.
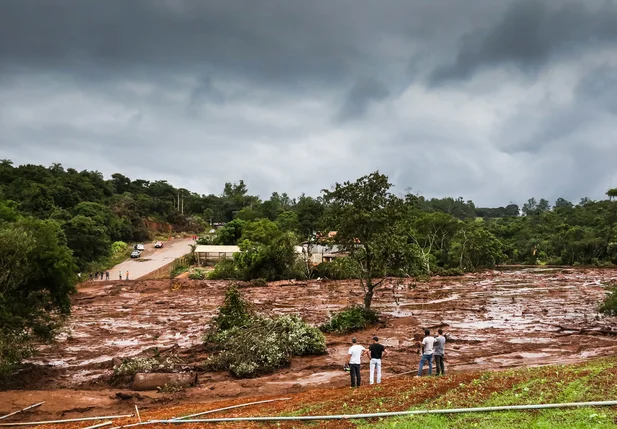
(132,366)
(351,319)
(249,345)
(609,305)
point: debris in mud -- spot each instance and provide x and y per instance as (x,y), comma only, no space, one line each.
(156,381)
(126,396)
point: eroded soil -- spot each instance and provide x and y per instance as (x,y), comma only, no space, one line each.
(494,320)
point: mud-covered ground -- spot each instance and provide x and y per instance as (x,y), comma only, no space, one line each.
(494,320)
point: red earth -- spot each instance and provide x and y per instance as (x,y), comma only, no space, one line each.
(494,320)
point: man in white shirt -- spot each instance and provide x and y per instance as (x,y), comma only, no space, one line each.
(426,352)
(355,354)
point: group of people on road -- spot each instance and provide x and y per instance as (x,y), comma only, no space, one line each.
(99,275)
(431,348)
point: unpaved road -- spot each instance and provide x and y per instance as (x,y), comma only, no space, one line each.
(152,259)
(494,320)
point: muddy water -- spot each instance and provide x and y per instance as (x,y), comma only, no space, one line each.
(493,320)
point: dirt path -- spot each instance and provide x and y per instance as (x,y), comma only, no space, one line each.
(494,320)
(151,259)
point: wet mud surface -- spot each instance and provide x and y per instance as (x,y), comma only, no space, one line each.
(493,320)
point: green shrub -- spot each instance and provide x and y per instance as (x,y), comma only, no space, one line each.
(338,269)
(248,345)
(197,275)
(265,344)
(351,319)
(235,311)
(224,270)
(118,247)
(132,366)
(609,305)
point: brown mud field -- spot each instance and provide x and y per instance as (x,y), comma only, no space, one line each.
(493,320)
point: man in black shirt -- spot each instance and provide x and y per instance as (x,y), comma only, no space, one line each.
(375,352)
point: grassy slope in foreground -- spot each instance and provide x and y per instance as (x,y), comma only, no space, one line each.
(594,380)
(591,381)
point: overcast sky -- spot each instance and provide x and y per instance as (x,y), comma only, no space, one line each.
(494,101)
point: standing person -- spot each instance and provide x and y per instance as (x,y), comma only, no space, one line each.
(90,276)
(440,346)
(127,275)
(107,275)
(355,356)
(427,353)
(120,274)
(375,352)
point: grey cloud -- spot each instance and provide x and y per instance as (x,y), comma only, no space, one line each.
(598,88)
(530,33)
(207,91)
(364,92)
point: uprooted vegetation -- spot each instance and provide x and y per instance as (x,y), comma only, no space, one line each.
(132,366)
(248,345)
(609,305)
(351,319)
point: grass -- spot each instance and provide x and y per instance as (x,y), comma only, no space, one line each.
(593,380)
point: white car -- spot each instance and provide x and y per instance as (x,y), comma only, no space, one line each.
(135,254)
(140,247)
(158,244)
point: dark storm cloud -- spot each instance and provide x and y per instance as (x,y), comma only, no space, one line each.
(295,95)
(530,34)
(362,94)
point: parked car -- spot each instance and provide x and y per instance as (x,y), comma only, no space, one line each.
(158,244)
(140,247)
(135,254)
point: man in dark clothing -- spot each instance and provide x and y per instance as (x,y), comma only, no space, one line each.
(375,352)
(439,351)
(106,275)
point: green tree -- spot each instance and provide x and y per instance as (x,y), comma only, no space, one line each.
(88,240)
(231,232)
(37,275)
(273,261)
(364,214)
(288,221)
(260,231)
(474,247)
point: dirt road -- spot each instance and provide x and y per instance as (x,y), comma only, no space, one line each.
(151,259)
(494,320)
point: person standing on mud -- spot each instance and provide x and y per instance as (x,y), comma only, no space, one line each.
(438,353)
(355,356)
(375,352)
(120,274)
(426,352)
(127,275)
(106,275)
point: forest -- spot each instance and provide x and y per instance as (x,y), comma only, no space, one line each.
(56,222)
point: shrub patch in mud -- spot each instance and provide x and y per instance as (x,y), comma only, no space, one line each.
(133,366)
(248,345)
(609,305)
(351,319)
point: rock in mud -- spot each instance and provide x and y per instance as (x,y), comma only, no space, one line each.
(147,381)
